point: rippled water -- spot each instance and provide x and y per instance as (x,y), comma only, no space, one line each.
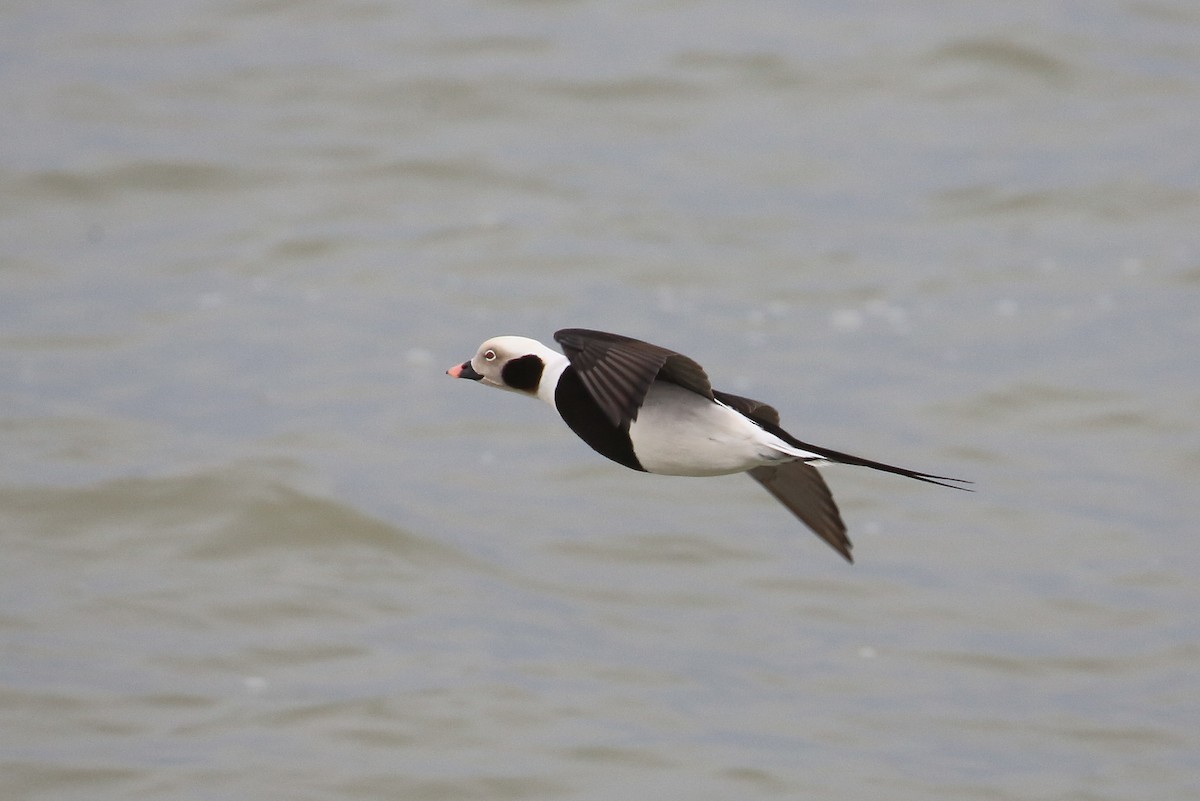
(257,545)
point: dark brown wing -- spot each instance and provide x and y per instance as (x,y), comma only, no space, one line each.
(617,371)
(799,487)
(757,411)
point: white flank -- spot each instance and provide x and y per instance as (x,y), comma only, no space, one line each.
(680,433)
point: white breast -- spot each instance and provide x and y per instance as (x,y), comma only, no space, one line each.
(680,433)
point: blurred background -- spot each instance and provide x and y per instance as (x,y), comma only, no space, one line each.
(256,544)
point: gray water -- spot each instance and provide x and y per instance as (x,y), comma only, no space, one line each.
(257,545)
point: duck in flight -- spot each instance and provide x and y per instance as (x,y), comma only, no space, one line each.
(654,410)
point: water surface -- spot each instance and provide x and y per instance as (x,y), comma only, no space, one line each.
(257,545)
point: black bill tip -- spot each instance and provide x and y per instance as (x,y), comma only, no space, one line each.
(464,370)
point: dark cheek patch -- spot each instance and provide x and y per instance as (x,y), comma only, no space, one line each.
(524,373)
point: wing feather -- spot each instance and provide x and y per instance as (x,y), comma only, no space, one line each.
(617,371)
(799,487)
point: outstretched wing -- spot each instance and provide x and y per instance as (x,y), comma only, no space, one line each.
(797,485)
(617,371)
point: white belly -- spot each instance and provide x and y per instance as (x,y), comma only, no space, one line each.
(680,433)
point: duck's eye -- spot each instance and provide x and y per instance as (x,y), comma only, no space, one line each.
(489,355)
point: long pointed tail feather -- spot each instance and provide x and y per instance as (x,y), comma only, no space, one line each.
(846,458)
(767,417)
